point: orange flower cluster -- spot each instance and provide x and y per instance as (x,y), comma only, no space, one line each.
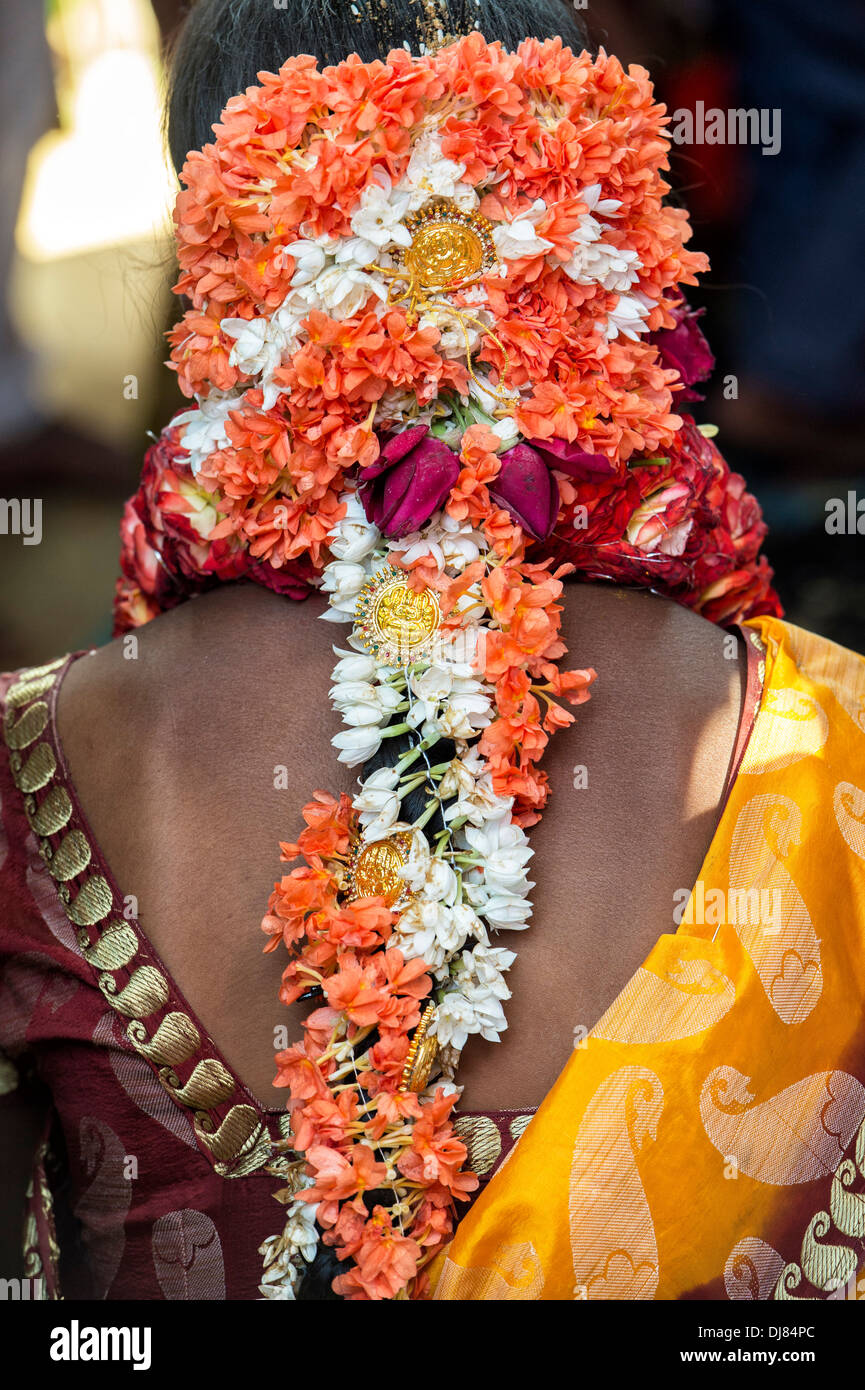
(519,654)
(346,1117)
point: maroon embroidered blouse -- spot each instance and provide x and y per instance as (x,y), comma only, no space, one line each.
(151,1177)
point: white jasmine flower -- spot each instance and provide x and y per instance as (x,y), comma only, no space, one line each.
(431,688)
(469,923)
(353,666)
(505,852)
(428,877)
(430,175)
(469,1008)
(456,336)
(595,261)
(398,406)
(629,316)
(353,538)
(286,1254)
(477,803)
(356,251)
(465,715)
(506,429)
(503,912)
(591,196)
(452,544)
(343,581)
(343,290)
(488,397)
(378,802)
(379,217)
(484,965)
(357,744)
(310,260)
(455,1019)
(300,1234)
(205,426)
(429,929)
(281,1280)
(457,780)
(518,238)
(361,702)
(258,344)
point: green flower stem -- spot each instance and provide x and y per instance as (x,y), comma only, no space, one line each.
(411,784)
(431,808)
(407,759)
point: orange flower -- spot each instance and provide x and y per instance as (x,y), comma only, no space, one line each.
(339,1179)
(298,897)
(297,1070)
(330,823)
(354,990)
(385,1261)
(470,498)
(436,1155)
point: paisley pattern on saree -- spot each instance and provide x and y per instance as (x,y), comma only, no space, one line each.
(833,1248)
(785,952)
(708,1141)
(613,1244)
(689,997)
(752,1269)
(187,1257)
(795,1136)
(848,804)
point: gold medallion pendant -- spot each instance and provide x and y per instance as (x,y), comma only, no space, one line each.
(422,1053)
(449,249)
(373,870)
(395,623)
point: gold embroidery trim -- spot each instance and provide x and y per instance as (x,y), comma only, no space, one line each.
(237,1137)
(825,1261)
(36,1255)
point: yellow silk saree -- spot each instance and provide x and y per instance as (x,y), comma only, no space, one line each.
(707,1140)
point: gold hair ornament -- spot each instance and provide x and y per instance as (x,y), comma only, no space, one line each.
(450,249)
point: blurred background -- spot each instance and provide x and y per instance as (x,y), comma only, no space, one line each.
(86,270)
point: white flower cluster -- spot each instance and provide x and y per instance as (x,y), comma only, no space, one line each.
(287,1254)
(470,877)
(358,551)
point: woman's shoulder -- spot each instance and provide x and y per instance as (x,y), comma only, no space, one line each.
(203,655)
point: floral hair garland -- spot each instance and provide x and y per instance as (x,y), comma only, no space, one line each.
(435,338)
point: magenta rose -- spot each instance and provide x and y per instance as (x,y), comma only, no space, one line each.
(685,349)
(527,490)
(408,481)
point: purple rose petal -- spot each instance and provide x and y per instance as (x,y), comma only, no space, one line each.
(526,488)
(408,482)
(685,349)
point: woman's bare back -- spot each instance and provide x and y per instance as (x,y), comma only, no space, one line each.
(193,758)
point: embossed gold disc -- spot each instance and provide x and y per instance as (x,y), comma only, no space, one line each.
(404,619)
(449,247)
(422,1053)
(376,871)
(444,254)
(394,622)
